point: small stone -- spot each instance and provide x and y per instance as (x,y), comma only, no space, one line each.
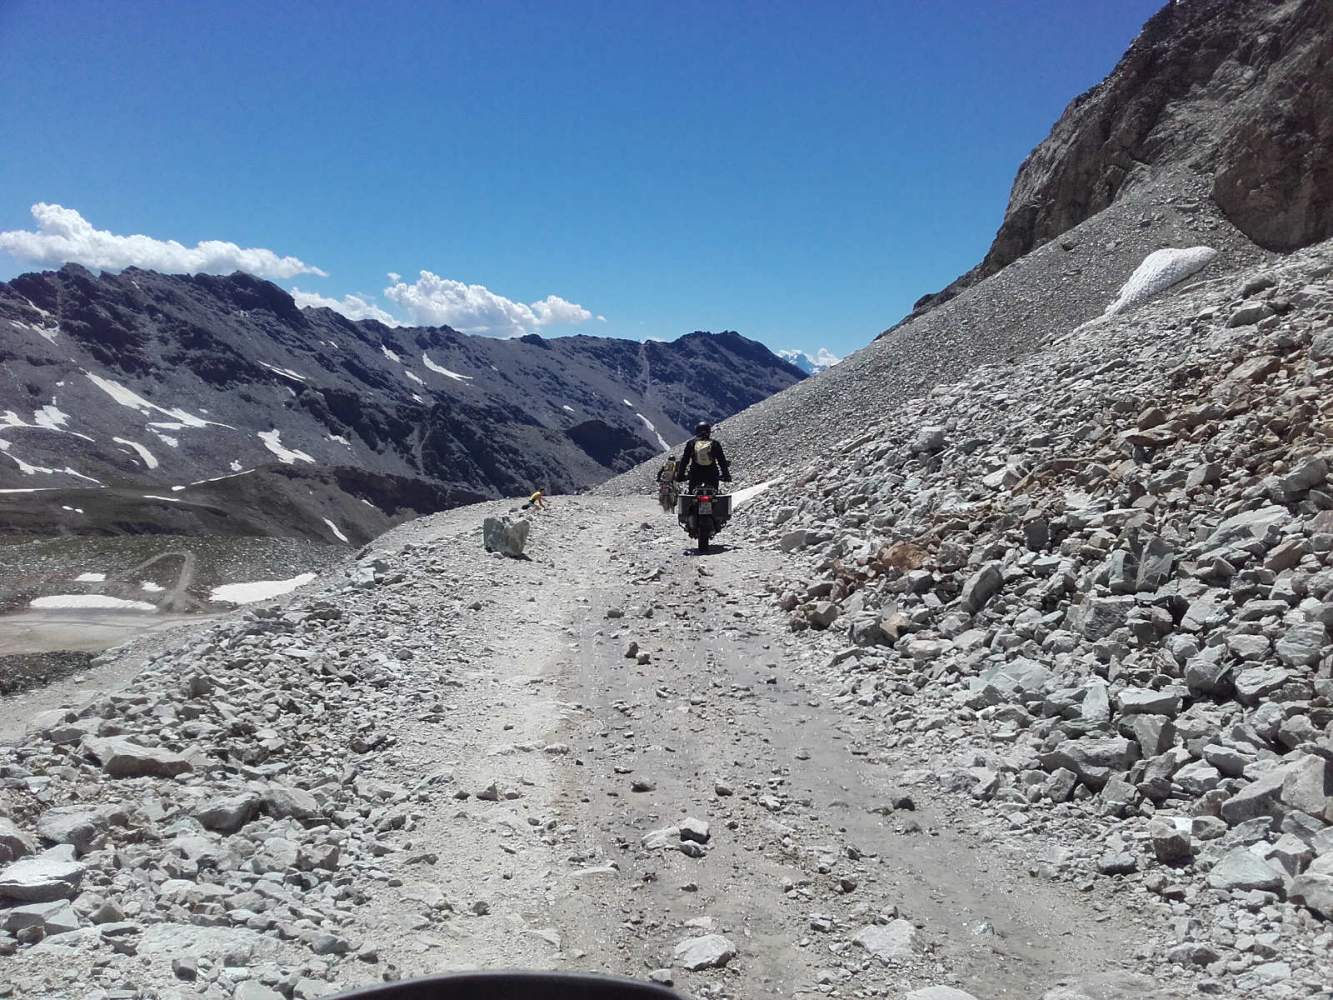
(694,829)
(889,942)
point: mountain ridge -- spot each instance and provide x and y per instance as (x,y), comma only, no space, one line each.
(163,381)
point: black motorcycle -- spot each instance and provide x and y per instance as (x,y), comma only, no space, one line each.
(702,514)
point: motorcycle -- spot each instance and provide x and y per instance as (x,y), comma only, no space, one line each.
(667,493)
(702,513)
(518,985)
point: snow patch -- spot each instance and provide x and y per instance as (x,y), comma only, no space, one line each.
(284,372)
(152,588)
(741,497)
(143,452)
(99,601)
(338,438)
(413,376)
(334,528)
(218,479)
(258,590)
(566,406)
(50,417)
(1159,271)
(628,403)
(30,489)
(90,577)
(48,332)
(441,370)
(652,429)
(134,401)
(390,354)
(273,442)
(235,466)
(153,496)
(166,439)
(32,470)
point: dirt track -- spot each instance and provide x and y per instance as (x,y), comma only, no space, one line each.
(535,694)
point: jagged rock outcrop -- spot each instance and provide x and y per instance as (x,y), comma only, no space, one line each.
(1235,92)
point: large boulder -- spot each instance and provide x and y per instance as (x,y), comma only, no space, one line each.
(51,875)
(1093,761)
(981,587)
(122,758)
(1314,887)
(505,535)
(1240,868)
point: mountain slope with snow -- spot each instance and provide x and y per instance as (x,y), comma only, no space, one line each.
(161,388)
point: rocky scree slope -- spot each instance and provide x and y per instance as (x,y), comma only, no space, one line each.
(180,386)
(1095,588)
(1231,92)
(1037,299)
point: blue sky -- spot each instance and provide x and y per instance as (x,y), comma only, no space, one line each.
(799,172)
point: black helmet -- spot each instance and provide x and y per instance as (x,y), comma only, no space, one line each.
(702,429)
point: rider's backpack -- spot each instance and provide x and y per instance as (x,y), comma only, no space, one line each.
(703,452)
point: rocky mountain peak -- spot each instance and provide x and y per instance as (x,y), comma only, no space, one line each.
(1234,93)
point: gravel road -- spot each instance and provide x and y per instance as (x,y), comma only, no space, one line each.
(611,756)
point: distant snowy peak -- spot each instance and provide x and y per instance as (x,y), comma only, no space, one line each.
(823,359)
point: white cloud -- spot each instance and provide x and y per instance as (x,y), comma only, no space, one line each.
(435,301)
(824,358)
(351,306)
(64,236)
(810,363)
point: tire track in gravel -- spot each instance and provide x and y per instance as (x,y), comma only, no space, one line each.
(721,699)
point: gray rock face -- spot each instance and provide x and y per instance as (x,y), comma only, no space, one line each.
(506,536)
(712,951)
(122,758)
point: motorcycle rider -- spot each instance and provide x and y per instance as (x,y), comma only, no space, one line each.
(703,463)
